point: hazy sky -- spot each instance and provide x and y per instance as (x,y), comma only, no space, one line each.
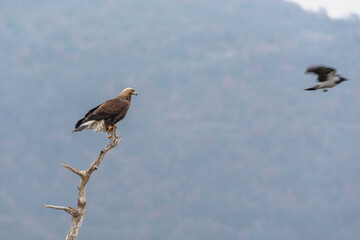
(334,8)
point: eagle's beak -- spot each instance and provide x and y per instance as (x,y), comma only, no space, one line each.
(135,93)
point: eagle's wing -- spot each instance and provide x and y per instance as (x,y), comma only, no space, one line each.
(323,72)
(87,116)
(108,109)
(91,111)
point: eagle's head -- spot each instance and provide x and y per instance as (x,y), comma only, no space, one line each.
(127,92)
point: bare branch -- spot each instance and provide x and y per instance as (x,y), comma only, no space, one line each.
(74,170)
(79,213)
(69,210)
(113,143)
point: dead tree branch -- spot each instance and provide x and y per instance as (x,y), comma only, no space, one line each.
(78,213)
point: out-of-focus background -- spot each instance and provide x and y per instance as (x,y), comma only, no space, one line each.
(221,141)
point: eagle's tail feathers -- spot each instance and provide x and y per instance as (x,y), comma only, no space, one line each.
(311,89)
(79,123)
(83,126)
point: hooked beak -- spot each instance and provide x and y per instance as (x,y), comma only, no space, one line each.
(135,93)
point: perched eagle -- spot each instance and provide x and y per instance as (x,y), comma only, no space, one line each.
(326,77)
(106,115)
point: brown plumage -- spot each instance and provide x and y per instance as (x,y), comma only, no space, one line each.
(106,115)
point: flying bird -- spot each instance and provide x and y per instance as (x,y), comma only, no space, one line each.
(326,77)
(106,115)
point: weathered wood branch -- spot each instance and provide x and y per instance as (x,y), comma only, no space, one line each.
(78,214)
(74,170)
(69,210)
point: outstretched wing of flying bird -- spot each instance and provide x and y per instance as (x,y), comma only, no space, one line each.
(323,72)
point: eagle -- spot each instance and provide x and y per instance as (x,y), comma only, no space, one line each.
(106,115)
(327,77)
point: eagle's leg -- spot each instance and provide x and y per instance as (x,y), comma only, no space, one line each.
(325,90)
(110,130)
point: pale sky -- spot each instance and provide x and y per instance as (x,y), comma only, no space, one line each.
(334,8)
